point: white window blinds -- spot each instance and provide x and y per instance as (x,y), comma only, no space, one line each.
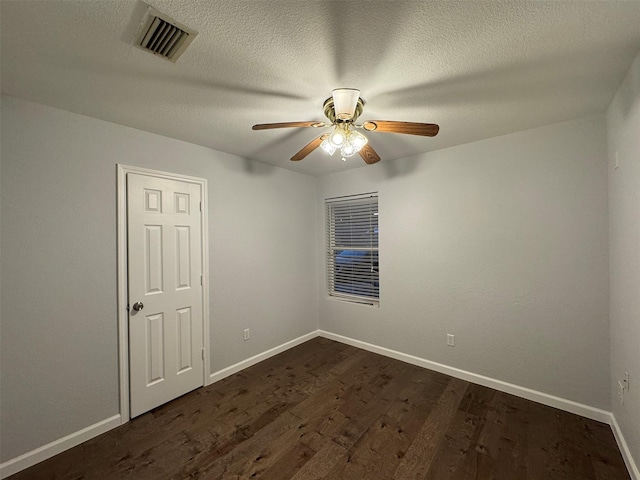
(352,248)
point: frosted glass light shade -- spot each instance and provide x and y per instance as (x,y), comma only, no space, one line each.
(327,147)
(358,140)
(345,101)
(337,138)
(347,150)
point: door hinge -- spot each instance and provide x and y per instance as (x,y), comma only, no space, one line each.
(201,280)
(200,206)
(203,353)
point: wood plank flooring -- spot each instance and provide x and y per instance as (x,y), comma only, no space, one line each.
(332,411)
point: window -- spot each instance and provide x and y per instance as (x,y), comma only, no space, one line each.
(352,248)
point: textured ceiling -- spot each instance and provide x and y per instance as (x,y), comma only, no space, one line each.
(478,69)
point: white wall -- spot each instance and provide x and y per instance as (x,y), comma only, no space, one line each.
(502,242)
(623,127)
(58,235)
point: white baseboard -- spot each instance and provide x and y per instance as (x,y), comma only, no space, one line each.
(624,449)
(529,394)
(225,372)
(54,448)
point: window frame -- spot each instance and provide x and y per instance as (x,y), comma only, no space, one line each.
(359,237)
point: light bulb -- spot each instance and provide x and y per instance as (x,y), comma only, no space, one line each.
(327,147)
(337,138)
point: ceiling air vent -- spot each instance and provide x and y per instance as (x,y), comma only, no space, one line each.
(163,36)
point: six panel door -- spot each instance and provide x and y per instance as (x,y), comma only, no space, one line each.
(165,290)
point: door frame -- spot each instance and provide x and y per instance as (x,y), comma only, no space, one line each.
(123,285)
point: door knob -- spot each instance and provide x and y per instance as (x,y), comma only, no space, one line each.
(138,306)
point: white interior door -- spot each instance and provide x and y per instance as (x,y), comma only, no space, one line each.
(165,290)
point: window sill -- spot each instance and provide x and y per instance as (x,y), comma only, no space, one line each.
(356,301)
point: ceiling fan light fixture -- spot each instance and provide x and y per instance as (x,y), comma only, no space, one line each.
(327,147)
(348,150)
(337,137)
(345,101)
(345,139)
(358,140)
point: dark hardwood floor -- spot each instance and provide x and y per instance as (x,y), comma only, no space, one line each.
(328,410)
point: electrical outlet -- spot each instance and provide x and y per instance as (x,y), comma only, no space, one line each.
(246,334)
(451,340)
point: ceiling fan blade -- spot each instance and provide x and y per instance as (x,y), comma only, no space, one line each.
(369,155)
(409,128)
(266,126)
(309,147)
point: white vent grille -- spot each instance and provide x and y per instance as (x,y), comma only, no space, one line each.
(163,36)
